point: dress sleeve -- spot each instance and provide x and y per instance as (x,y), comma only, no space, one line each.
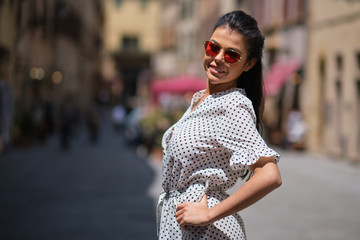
(238,133)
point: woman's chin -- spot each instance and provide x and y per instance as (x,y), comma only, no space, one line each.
(213,79)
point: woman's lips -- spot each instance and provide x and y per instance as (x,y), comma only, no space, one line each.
(216,70)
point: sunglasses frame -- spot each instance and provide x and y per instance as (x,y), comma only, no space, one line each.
(206,44)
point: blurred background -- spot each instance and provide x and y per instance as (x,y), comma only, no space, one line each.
(145,56)
(117,73)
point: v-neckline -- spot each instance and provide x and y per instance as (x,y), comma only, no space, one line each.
(199,103)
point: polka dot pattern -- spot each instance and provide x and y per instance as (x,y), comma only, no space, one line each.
(207,151)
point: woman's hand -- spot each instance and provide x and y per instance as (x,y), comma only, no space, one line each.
(196,214)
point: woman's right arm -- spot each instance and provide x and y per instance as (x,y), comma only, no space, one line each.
(266,178)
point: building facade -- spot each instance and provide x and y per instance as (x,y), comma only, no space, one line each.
(185,26)
(283,22)
(131,38)
(8,32)
(332,87)
(166,58)
(54,55)
(311,65)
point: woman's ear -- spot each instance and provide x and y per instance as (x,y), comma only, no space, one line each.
(249,64)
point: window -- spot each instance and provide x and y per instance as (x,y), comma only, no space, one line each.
(339,101)
(144,4)
(118,3)
(338,88)
(358,100)
(187,9)
(358,113)
(183,10)
(324,114)
(339,63)
(338,85)
(130,44)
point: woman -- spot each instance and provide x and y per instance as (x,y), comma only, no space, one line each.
(217,141)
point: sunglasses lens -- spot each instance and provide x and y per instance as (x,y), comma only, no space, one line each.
(231,56)
(211,49)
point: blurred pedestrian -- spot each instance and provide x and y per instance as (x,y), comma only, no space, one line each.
(93,122)
(6,112)
(49,116)
(295,131)
(132,127)
(67,120)
(118,116)
(217,141)
(38,119)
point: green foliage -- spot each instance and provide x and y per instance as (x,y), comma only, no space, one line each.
(155,124)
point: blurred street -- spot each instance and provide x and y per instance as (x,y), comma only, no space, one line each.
(318,200)
(87,89)
(106,191)
(89,192)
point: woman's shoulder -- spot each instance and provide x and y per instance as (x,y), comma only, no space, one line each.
(237,97)
(237,103)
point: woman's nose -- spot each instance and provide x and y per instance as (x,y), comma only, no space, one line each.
(220,57)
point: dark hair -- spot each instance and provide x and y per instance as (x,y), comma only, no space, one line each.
(252,80)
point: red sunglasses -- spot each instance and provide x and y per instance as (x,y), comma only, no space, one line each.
(212,49)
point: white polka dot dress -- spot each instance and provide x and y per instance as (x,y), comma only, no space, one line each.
(206,151)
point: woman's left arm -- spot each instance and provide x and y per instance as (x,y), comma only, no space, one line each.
(266,178)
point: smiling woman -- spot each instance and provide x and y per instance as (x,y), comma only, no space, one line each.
(217,141)
(225,66)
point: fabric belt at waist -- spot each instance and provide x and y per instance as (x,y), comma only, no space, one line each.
(176,193)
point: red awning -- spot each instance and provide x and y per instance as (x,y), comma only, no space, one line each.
(181,84)
(278,74)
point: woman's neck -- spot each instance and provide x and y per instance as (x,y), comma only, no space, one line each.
(214,88)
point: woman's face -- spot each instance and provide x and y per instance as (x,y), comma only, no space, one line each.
(217,70)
